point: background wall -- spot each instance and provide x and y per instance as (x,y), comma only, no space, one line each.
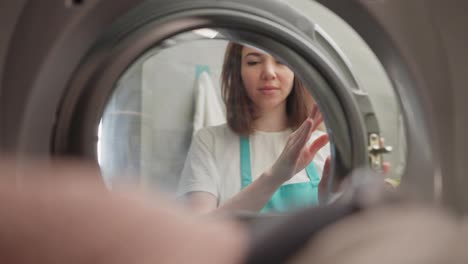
(168,85)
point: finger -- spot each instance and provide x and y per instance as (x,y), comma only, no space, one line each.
(382,141)
(301,127)
(323,185)
(305,133)
(386,167)
(325,173)
(314,111)
(297,139)
(309,134)
(319,143)
(326,168)
(317,121)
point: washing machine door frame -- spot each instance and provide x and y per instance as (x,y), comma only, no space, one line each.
(421,46)
(407,47)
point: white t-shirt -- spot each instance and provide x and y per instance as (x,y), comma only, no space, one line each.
(213,160)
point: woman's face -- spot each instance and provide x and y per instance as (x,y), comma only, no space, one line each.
(267,81)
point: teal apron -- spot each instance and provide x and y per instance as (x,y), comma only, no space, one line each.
(287,197)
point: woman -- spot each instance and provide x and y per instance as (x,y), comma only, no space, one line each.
(255,161)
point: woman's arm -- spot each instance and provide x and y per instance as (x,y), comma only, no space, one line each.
(252,198)
(255,196)
(201,202)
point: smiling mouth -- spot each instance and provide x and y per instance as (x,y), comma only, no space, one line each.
(268,88)
(269,91)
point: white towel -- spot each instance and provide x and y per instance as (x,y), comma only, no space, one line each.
(208,106)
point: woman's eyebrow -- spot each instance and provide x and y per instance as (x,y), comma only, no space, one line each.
(256,54)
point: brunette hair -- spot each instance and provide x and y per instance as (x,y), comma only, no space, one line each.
(239,107)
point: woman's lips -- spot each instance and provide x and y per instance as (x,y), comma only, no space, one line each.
(268,89)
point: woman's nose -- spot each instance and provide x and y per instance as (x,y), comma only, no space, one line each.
(269,71)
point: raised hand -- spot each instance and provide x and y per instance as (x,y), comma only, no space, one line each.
(296,154)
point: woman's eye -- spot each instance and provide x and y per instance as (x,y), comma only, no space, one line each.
(251,63)
(279,62)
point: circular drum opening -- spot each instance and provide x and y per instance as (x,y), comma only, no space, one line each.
(109,112)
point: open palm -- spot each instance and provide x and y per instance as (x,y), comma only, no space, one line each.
(296,154)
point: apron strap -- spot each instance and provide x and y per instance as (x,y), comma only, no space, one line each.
(312,173)
(246,173)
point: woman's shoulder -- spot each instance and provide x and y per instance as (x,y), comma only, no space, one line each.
(215,130)
(215,133)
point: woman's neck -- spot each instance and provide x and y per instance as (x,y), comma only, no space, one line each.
(272,120)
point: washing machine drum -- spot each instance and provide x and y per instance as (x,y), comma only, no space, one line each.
(66,58)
